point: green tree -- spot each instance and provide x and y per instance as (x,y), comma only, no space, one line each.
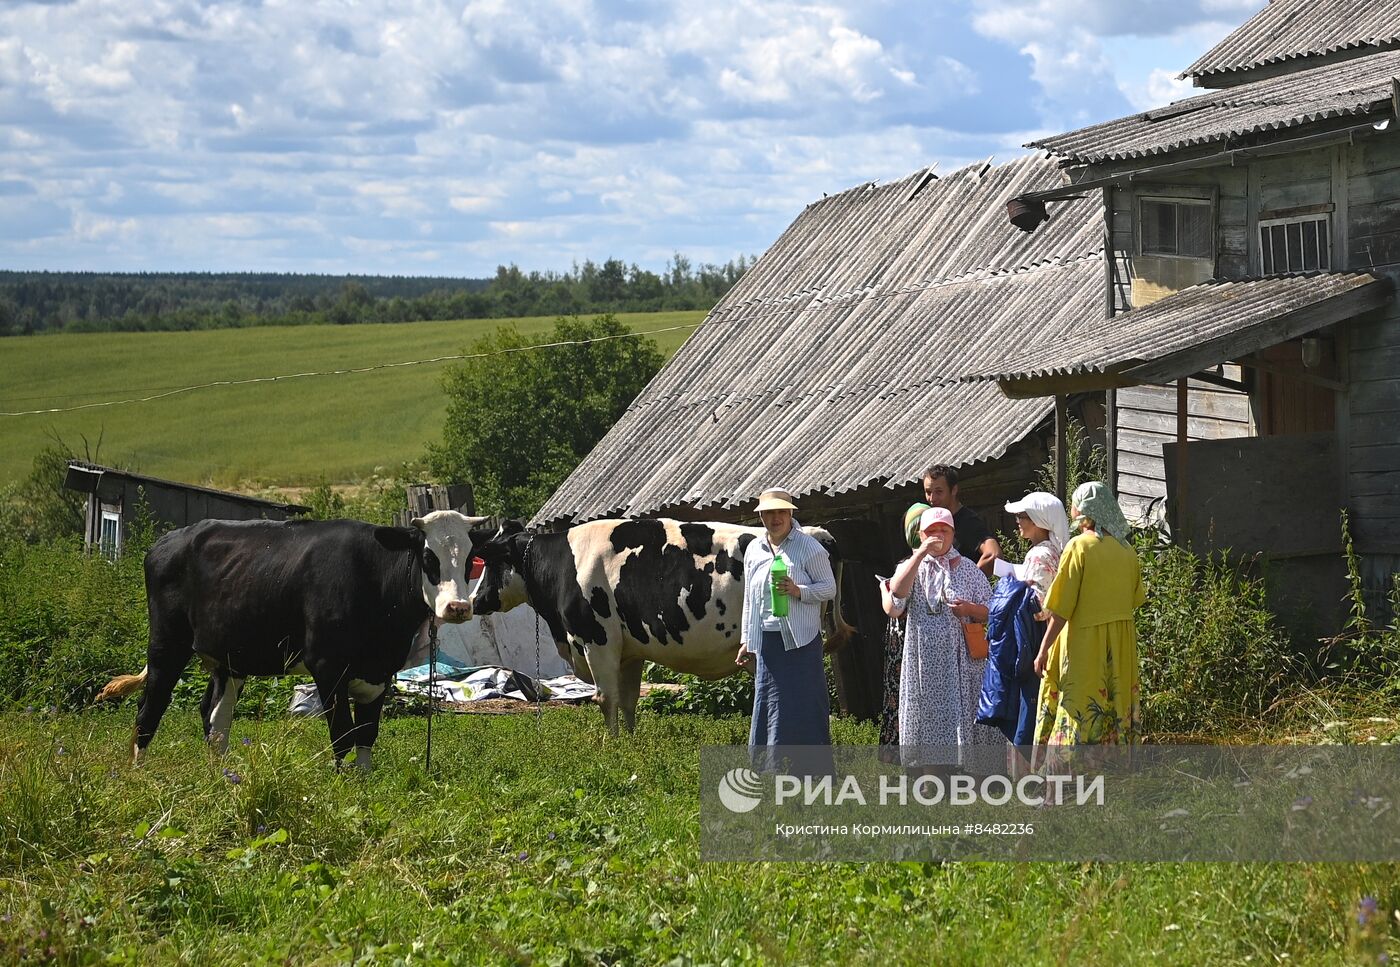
(518,422)
(38,508)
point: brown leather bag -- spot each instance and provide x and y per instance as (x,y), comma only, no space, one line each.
(975,637)
(975,634)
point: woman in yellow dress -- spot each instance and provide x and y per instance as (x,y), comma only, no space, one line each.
(1089,656)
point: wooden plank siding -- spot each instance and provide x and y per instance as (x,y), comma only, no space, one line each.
(1372,344)
(1147,420)
(1232,222)
(1146,415)
(1121,216)
(1294,180)
(1360,184)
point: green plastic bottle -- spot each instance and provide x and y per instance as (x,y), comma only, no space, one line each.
(779,598)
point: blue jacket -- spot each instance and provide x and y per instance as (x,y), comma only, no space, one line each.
(1012,642)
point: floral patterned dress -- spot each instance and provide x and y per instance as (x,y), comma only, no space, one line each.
(1090,691)
(1042,562)
(938,683)
(889,708)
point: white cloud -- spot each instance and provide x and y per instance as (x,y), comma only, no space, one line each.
(1083,48)
(428,135)
(1163,86)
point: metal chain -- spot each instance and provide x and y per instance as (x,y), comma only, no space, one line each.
(539,689)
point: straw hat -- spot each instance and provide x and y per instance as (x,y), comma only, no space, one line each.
(775,499)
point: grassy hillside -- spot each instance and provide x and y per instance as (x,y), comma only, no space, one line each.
(285,433)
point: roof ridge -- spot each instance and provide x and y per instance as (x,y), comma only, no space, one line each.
(1285,30)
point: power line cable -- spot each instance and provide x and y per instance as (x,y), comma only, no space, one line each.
(345,372)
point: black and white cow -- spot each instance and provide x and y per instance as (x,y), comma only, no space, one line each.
(618,593)
(341,600)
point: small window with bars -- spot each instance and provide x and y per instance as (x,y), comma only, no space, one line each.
(109,538)
(1295,244)
(1177,227)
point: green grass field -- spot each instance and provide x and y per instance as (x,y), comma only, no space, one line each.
(290,433)
(545,843)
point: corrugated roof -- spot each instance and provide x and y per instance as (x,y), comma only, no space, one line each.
(97,471)
(823,369)
(1167,340)
(1353,88)
(1289,29)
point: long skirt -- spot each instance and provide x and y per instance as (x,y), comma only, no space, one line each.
(791,706)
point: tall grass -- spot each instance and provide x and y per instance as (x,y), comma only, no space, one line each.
(1213,656)
(544,842)
(68,622)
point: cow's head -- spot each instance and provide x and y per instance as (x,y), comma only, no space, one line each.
(501,587)
(445,558)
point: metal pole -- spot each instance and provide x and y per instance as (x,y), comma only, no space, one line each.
(432,695)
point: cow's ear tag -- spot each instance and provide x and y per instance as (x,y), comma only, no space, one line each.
(398,538)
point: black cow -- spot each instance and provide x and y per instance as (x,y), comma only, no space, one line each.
(618,593)
(342,601)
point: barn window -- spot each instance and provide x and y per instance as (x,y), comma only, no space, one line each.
(109,541)
(1301,244)
(1178,227)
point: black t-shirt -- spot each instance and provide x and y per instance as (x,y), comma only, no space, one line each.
(969,533)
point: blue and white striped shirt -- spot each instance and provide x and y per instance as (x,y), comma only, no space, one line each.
(809,565)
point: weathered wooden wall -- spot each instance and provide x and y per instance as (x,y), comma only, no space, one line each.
(1242,505)
(1369,417)
(1147,414)
(1147,420)
(168,506)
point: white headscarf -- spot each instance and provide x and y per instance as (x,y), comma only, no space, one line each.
(1045,510)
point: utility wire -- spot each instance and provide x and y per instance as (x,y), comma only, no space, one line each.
(344,372)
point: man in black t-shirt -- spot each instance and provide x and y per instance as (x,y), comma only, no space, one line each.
(970,536)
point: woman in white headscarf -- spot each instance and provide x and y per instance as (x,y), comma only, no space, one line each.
(1010,698)
(1042,520)
(1089,656)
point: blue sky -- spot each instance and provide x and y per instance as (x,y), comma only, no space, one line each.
(430,138)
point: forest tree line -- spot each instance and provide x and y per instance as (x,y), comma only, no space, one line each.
(35,302)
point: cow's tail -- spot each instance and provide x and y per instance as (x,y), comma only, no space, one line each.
(122,686)
(841,633)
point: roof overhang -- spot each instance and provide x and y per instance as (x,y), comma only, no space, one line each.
(1027,211)
(106,483)
(1190,331)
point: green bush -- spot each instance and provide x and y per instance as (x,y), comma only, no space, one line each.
(1212,654)
(69,622)
(38,508)
(727,696)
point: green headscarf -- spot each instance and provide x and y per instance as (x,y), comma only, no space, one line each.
(1095,501)
(911,524)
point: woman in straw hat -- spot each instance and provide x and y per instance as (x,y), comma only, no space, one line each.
(1089,656)
(938,589)
(790,703)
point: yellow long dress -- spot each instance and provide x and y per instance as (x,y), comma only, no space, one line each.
(1089,694)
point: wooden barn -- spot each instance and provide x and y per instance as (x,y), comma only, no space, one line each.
(116,496)
(1251,349)
(828,370)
